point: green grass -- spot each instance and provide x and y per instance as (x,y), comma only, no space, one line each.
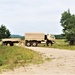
(11,57)
(60,44)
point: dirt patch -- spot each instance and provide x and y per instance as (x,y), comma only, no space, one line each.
(62,64)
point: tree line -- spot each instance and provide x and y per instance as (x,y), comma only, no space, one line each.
(60,36)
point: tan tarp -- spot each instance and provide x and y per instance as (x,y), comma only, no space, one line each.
(34,36)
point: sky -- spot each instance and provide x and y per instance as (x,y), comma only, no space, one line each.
(21,16)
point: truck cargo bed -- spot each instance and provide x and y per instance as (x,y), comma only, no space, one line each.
(34,36)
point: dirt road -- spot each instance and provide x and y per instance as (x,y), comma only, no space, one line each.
(62,63)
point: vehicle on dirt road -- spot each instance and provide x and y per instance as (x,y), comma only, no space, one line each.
(33,39)
(10,41)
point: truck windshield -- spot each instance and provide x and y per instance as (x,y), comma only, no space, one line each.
(52,36)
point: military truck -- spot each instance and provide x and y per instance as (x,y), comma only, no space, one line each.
(10,41)
(33,39)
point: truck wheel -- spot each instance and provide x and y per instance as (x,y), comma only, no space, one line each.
(11,44)
(34,44)
(49,44)
(28,44)
(3,44)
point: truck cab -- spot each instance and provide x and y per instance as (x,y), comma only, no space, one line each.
(50,39)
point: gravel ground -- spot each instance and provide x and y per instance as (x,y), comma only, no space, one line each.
(62,63)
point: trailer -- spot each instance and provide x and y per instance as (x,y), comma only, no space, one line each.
(10,41)
(33,39)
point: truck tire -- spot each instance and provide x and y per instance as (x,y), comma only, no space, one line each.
(28,44)
(11,44)
(34,44)
(49,43)
(4,44)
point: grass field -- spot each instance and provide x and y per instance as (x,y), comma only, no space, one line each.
(11,57)
(60,44)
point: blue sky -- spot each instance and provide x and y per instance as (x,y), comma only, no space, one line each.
(21,16)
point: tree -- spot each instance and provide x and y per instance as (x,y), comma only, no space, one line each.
(68,23)
(4,32)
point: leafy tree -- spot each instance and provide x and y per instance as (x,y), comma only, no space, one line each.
(4,32)
(68,23)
